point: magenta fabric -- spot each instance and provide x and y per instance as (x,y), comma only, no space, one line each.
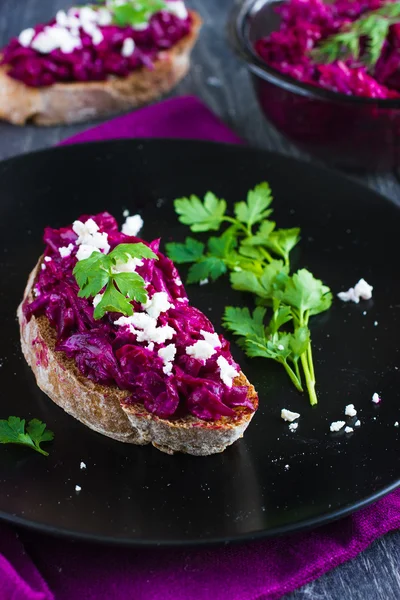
(38,567)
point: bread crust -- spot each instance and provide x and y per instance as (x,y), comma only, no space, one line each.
(66,103)
(105,409)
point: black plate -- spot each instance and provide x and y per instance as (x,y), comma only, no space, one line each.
(272,481)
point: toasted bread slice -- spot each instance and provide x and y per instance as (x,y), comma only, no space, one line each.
(65,103)
(105,409)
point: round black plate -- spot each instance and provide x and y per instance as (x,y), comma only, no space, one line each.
(273,481)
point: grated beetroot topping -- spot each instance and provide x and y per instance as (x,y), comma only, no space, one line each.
(307,22)
(95,62)
(111,355)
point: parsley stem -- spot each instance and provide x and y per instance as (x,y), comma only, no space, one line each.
(266,254)
(294,378)
(310,380)
(237,223)
(298,374)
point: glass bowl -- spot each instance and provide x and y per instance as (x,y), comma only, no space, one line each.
(346,131)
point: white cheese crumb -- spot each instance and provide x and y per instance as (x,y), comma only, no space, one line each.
(178,281)
(281,347)
(104,17)
(203,281)
(78,488)
(227,371)
(82,465)
(211,338)
(348,430)
(125,213)
(85,250)
(43,267)
(88,234)
(364,312)
(357,423)
(396,424)
(132,225)
(129,266)
(288,415)
(293,426)
(337,425)
(375,398)
(145,328)
(128,48)
(167,354)
(26,36)
(47,258)
(157,304)
(287,467)
(362,290)
(201,350)
(66,250)
(350,411)
(177,8)
(375,323)
(97,299)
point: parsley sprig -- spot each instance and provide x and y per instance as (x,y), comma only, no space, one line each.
(137,12)
(256,254)
(100,272)
(361,40)
(13,431)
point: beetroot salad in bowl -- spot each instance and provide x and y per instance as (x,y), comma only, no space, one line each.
(139,332)
(96,41)
(327,75)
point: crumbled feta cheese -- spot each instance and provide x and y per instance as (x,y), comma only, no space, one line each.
(288,415)
(396,424)
(337,425)
(88,234)
(157,304)
(62,18)
(177,8)
(43,266)
(82,465)
(55,37)
(150,346)
(348,430)
(125,213)
(211,338)
(167,353)
(97,299)
(26,36)
(97,37)
(145,328)
(84,251)
(362,290)
(350,411)
(128,47)
(47,258)
(293,426)
(201,350)
(132,225)
(227,371)
(66,250)
(104,17)
(349,296)
(178,281)
(129,266)
(357,423)
(281,347)
(375,323)
(203,281)
(78,488)
(375,398)
(287,467)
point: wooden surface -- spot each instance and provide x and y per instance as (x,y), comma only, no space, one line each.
(222,82)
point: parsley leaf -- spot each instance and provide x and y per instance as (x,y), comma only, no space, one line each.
(254,209)
(208,267)
(201,216)
(13,431)
(188,252)
(306,293)
(135,13)
(103,272)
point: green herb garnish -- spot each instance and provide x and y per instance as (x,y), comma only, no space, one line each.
(256,254)
(100,271)
(361,40)
(135,12)
(13,431)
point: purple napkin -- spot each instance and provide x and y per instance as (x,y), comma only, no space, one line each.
(38,567)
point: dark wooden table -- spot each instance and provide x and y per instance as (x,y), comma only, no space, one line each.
(222,82)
